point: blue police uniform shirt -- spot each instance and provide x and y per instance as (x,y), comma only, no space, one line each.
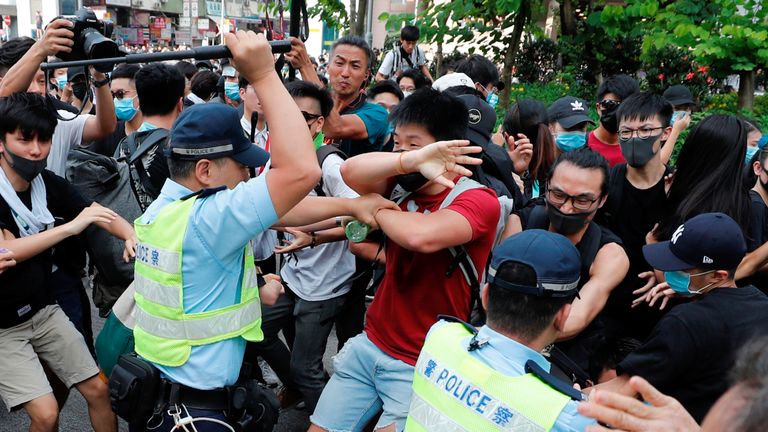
(508,357)
(375,119)
(219,228)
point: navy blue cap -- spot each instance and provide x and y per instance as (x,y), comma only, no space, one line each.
(553,257)
(711,241)
(213,131)
(678,95)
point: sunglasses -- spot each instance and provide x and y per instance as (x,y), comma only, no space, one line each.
(609,104)
(309,116)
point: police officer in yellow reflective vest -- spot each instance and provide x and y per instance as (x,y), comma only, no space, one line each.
(196,292)
(495,378)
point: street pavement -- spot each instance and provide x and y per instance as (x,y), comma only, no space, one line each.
(74,416)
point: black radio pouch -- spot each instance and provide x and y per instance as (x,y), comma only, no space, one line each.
(134,388)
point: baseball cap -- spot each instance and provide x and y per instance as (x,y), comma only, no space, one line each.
(554,259)
(678,95)
(569,111)
(213,131)
(455,79)
(203,64)
(482,119)
(708,241)
(75,72)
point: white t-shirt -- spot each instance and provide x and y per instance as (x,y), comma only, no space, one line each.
(417,59)
(325,271)
(67,135)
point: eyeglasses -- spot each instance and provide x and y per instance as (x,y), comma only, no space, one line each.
(119,94)
(580,202)
(641,133)
(309,117)
(609,104)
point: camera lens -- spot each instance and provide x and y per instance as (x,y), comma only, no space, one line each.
(96,46)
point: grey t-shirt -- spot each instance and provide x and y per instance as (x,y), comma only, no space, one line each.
(417,59)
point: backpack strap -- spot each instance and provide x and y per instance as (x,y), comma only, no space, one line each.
(134,158)
(589,246)
(322,153)
(615,191)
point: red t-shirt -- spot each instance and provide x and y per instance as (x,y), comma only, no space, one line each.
(415,290)
(609,151)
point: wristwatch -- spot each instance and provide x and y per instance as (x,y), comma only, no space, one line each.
(102,83)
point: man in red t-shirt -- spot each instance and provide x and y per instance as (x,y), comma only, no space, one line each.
(605,139)
(374,371)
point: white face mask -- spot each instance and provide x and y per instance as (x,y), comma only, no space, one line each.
(406,94)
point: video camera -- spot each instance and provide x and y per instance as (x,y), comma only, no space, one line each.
(92,39)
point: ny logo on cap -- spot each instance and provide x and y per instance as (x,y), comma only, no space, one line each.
(678,233)
(577,106)
(707,260)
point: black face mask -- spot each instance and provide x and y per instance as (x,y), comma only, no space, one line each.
(411,182)
(26,168)
(566,224)
(79,89)
(638,151)
(609,121)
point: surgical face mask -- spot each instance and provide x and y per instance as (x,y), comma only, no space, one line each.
(750,154)
(638,151)
(680,282)
(566,224)
(26,168)
(492,99)
(61,82)
(677,115)
(406,94)
(124,108)
(79,89)
(232,91)
(568,141)
(411,182)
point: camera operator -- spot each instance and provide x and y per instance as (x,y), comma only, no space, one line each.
(26,75)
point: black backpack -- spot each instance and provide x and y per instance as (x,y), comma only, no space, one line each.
(496,173)
(145,154)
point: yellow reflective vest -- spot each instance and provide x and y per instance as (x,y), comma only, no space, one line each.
(164,333)
(453,391)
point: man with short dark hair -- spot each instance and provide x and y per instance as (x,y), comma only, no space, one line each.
(576,188)
(404,57)
(484,74)
(605,139)
(495,377)
(355,125)
(386,93)
(682,102)
(690,351)
(418,237)
(568,121)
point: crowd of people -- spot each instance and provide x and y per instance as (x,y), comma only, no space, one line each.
(552,273)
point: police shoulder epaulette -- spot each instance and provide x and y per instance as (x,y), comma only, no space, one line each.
(533,368)
(202,193)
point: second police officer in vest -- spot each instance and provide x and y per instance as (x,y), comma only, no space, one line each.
(495,378)
(196,290)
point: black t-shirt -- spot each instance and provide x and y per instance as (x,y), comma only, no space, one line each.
(691,350)
(107,146)
(25,286)
(758,229)
(631,215)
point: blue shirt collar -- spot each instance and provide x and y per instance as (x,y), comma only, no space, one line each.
(174,190)
(146,126)
(511,349)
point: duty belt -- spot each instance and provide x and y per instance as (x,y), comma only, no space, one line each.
(214,399)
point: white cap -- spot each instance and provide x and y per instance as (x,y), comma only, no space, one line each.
(455,79)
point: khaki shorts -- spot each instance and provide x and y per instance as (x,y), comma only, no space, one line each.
(50,337)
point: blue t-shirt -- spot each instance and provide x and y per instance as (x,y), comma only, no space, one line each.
(508,357)
(375,118)
(219,228)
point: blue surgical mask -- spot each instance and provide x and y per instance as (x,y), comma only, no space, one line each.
(680,282)
(492,99)
(232,91)
(61,82)
(750,153)
(568,141)
(124,108)
(676,115)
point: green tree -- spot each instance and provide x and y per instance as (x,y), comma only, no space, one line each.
(335,14)
(730,36)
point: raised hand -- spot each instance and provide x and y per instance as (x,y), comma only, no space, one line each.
(298,56)
(520,151)
(251,54)
(57,38)
(442,157)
